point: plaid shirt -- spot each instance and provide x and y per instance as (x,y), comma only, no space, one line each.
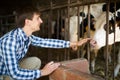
(13,47)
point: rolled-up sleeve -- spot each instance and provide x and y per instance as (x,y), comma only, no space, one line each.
(9,49)
(49,43)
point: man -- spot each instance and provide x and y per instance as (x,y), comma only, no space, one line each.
(14,45)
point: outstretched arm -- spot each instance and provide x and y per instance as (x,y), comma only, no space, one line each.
(76,44)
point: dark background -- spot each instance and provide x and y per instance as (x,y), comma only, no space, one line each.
(8,6)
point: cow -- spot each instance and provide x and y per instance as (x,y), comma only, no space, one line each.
(99,33)
(74,27)
(95,12)
(111,7)
(100,36)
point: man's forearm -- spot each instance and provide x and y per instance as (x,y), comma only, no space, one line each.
(72,44)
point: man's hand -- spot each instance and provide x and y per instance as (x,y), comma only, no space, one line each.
(93,43)
(49,68)
(83,41)
(75,45)
(74,48)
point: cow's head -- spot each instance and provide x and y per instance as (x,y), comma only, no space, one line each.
(84,25)
(112,24)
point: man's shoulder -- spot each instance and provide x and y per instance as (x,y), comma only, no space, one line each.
(11,34)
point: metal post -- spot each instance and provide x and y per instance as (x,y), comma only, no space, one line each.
(114,40)
(78,28)
(49,31)
(107,32)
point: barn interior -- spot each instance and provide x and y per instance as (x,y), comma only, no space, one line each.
(52,10)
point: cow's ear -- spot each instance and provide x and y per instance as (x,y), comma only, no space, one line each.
(118,14)
(82,14)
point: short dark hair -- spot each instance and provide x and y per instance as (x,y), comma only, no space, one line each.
(25,13)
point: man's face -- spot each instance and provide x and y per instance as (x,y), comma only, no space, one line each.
(35,22)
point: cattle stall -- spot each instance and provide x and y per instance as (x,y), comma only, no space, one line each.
(73,20)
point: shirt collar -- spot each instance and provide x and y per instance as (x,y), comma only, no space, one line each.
(22,33)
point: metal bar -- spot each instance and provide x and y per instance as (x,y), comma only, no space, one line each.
(50,30)
(88,34)
(78,28)
(62,25)
(58,24)
(74,4)
(114,40)
(68,15)
(82,32)
(66,25)
(107,39)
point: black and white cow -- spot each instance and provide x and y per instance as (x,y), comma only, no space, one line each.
(95,11)
(99,15)
(100,35)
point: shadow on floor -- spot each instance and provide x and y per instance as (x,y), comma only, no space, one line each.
(44,78)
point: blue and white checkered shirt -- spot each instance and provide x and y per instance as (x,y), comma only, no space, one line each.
(13,47)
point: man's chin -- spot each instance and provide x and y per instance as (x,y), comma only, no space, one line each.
(38,29)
